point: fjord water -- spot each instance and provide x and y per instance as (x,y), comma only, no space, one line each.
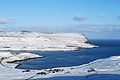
(54,59)
(89,77)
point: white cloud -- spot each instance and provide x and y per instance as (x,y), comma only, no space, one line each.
(118,16)
(79,17)
(96,27)
(6,20)
(103,14)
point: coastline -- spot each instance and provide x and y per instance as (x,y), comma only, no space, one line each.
(36,41)
(94,67)
(88,77)
(81,70)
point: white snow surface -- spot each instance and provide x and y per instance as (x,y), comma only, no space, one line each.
(7,70)
(107,66)
(20,56)
(42,41)
(5,54)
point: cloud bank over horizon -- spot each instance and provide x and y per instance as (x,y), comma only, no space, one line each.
(6,20)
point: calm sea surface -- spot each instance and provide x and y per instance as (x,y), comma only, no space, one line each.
(89,77)
(74,58)
(106,49)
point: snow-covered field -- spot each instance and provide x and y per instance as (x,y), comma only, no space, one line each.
(48,42)
(9,72)
(7,69)
(42,41)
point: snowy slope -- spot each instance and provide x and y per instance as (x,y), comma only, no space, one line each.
(8,71)
(101,66)
(42,41)
(20,56)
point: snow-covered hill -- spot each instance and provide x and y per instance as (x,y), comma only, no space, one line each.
(42,41)
(8,71)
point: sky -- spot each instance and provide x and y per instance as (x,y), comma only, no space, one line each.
(98,19)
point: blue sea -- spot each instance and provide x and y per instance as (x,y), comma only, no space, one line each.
(54,59)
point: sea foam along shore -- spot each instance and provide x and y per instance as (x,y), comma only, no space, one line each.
(107,66)
(43,41)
